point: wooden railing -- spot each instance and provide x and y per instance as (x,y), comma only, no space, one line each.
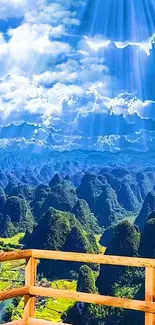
(30,290)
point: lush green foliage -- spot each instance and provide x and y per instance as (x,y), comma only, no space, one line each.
(86,217)
(125,242)
(16,217)
(147,245)
(57,230)
(147,208)
(86,280)
(107,235)
(79,202)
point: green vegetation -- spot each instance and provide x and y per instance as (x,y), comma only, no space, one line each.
(12,274)
(50,308)
(57,230)
(101,248)
(82,313)
(125,291)
(86,280)
(15,208)
(107,209)
(147,245)
(16,217)
(13,242)
(85,208)
(87,219)
(127,198)
(62,197)
(147,207)
(125,242)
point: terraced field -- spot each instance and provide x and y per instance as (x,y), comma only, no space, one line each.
(12,275)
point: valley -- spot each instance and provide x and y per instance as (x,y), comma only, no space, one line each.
(79,202)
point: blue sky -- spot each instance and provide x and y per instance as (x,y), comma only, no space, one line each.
(78,66)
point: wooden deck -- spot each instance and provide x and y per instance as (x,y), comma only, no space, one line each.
(30,290)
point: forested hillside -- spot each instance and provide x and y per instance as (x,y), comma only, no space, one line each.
(80,202)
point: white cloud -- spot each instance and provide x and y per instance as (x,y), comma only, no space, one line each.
(2,41)
(48,77)
(35,57)
(83,72)
(127,104)
(64,73)
(15,8)
(29,49)
(97,44)
(145,45)
(57,31)
(29,37)
(18,94)
(51,14)
(36,10)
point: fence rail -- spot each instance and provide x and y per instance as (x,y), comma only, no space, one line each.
(30,290)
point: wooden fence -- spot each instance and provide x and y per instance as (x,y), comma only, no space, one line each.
(30,290)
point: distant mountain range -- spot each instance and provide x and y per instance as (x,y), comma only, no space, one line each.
(39,137)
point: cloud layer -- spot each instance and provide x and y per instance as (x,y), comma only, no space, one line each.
(55,73)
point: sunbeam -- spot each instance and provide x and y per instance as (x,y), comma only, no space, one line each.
(70,65)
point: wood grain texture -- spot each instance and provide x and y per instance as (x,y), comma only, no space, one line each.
(12,293)
(30,291)
(94,299)
(30,279)
(14,255)
(79,257)
(94,258)
(150,293)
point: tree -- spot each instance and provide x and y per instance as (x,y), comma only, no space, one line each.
(126,197)
(15,208)
(61,197)
(147,244)
(143,189)
(87,219)
(147,207)
(120,172)
(51,231)
(24,190)
(107,235)
(113,181)
(57,179)
(125,242)
(76,241)
(107,208)
(37,209)
(2,200)
(20,215)
(7,228)
(86,280)
(7,316)
(41,192)
(11,184)
(90,188)
(82,313)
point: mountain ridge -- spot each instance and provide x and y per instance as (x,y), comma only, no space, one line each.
(27,135)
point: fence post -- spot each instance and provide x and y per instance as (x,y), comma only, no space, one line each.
(30,279)
(149,293)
